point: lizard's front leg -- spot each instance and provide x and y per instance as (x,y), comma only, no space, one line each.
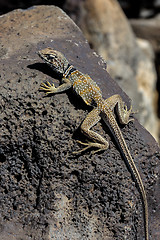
(99,142)
(66,84)
(122,111)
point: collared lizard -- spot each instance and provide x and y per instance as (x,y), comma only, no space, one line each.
(91,94)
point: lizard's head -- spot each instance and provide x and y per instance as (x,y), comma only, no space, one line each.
(54,59)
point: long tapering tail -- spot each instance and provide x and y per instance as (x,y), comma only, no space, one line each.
(111,122)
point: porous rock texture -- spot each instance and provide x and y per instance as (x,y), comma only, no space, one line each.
(47,192)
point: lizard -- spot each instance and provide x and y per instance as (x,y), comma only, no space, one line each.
(91,94)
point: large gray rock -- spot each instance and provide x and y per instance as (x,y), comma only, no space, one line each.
(46,192)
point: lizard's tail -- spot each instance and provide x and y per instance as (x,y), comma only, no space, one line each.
(125,152)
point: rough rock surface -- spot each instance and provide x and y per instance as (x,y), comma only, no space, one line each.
(46,192)
(110,35)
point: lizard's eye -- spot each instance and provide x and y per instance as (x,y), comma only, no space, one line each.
(49,57)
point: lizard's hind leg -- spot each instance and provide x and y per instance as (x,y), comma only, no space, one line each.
(99,142)
(122,111)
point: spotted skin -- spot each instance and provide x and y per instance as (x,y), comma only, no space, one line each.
(91,94)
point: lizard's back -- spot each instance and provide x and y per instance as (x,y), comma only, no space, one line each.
(86,88)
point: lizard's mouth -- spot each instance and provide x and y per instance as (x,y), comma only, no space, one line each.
(40,55)
(44,58)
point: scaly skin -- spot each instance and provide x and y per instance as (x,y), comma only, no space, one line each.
(91,94)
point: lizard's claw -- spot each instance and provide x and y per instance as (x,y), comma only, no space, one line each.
(126,114)
(90,145)
(83,149)
(129,111)
(47,87)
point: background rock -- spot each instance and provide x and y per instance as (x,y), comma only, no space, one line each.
(148,29)
(110,34)
(46,192)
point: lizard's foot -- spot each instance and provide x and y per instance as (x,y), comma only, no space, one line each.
(48,88)
(101,147)
(124,117)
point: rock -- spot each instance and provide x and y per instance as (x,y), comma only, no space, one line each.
(146,78)
(110,35)
(46,192)
(148,29)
